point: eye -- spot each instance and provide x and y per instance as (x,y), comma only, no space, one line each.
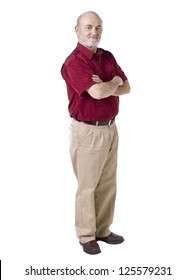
(88,27)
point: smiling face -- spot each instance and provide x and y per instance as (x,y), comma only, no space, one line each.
(89,30)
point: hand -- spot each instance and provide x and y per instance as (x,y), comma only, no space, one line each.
(96,79)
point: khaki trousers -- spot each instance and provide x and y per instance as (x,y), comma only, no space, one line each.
(93,151)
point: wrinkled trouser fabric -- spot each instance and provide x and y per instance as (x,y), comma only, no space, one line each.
(93,151)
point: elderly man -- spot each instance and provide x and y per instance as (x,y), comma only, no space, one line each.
(94,82)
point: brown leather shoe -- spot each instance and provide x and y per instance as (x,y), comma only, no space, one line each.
(111,239)
(91,247)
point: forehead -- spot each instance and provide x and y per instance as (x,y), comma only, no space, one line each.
(90,19)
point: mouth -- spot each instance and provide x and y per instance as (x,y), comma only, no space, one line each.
(93,38)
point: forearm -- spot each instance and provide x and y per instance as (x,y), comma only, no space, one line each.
(105,89)
(124,89)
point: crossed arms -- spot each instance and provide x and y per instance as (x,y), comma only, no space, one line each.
(115,87)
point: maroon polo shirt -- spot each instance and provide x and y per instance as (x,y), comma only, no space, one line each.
(77,72)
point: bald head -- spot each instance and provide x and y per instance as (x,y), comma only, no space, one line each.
(88,15)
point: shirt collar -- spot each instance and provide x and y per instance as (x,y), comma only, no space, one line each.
(86,52)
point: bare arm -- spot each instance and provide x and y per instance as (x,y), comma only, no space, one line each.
(125,88)
(105,89)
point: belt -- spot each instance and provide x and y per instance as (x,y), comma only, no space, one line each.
(100,123)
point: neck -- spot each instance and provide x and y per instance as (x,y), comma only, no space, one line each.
(93,49)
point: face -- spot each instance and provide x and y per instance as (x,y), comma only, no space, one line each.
(89,30)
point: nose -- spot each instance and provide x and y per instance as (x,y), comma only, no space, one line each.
(94,31)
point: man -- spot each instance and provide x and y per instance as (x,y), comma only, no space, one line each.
(94,83)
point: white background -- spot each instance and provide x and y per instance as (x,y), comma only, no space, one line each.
(153,42)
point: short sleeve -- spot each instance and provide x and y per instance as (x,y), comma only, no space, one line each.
(78,75)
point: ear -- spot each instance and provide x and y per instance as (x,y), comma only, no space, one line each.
(76,29)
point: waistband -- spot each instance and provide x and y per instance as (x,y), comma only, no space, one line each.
(99,123)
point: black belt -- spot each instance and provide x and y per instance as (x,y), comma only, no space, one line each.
(100,123)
